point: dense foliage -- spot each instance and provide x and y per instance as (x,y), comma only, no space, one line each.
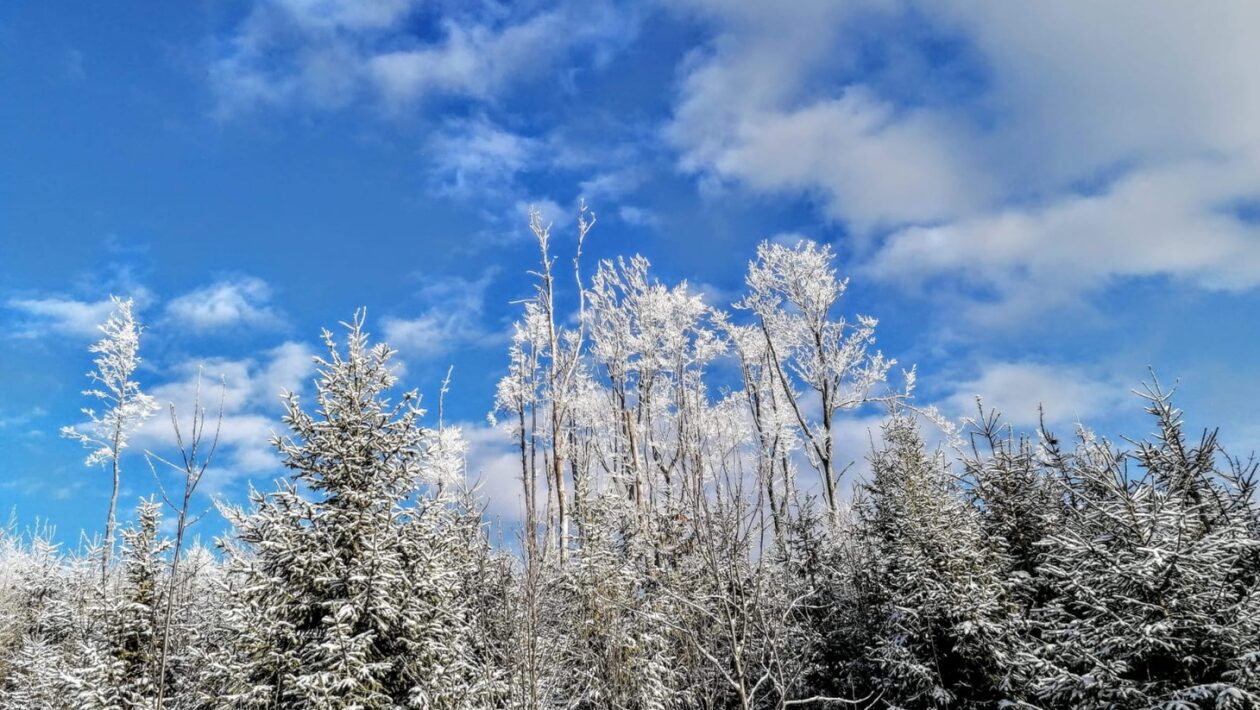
(689,537)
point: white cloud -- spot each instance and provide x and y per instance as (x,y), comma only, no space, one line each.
(612,184)
(233,302)
(1163,222)
(22,419)
(1082,86)
(494,466)
(473,61)
(324,52)
(287,51)
(552,212)
(714,295)
(637,216)
(477,158)
(1094,141)
(349,14)
(452,318)
(60,316)
(250,393)
(748,110)
(477,58)
(1067,394)
(863,158)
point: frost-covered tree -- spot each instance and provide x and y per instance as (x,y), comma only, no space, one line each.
(670,556)
(195,457)
(351,577)
(41,630)
(793,292)
(558,352)
(125,405)
(941,623)
(615,647)
(1019,501)
(121,655)
(1155,570)
(652,345)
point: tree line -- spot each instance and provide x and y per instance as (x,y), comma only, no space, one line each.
(690,537)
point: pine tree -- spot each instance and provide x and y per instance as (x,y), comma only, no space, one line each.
(1155,573)
(350,597)
(940,616)
(122,657)
(40,624)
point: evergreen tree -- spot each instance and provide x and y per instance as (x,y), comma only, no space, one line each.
(121,659)
(1155,575)
(941,623)
(350,598)
(41,628)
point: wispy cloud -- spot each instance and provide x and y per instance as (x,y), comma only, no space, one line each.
(65,315)
(61,316)
(452,317)
(1025,391)
(476,158)
(21,419)
(327,53)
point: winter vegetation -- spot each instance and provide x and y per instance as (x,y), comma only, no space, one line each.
(692,534)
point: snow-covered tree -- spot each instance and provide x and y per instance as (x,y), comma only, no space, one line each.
(125,405)
(351,591)
(941,630)
(793,292)
(121,657)
(1155,571)
(670,556)
(1019,501)
(40,628)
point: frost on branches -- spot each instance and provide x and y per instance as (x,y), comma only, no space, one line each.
(351,576)
(688,536)
(126,406)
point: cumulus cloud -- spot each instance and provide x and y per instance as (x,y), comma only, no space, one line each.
(1044,152)
(249,389)
(1172,222)
(227,303)
(749,110)
(494,467)
(858,153)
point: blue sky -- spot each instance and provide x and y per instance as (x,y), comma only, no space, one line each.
(1038,202)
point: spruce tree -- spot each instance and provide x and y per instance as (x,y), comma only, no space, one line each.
(350,588)
(121,658)
(939,632)
(1156,571)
